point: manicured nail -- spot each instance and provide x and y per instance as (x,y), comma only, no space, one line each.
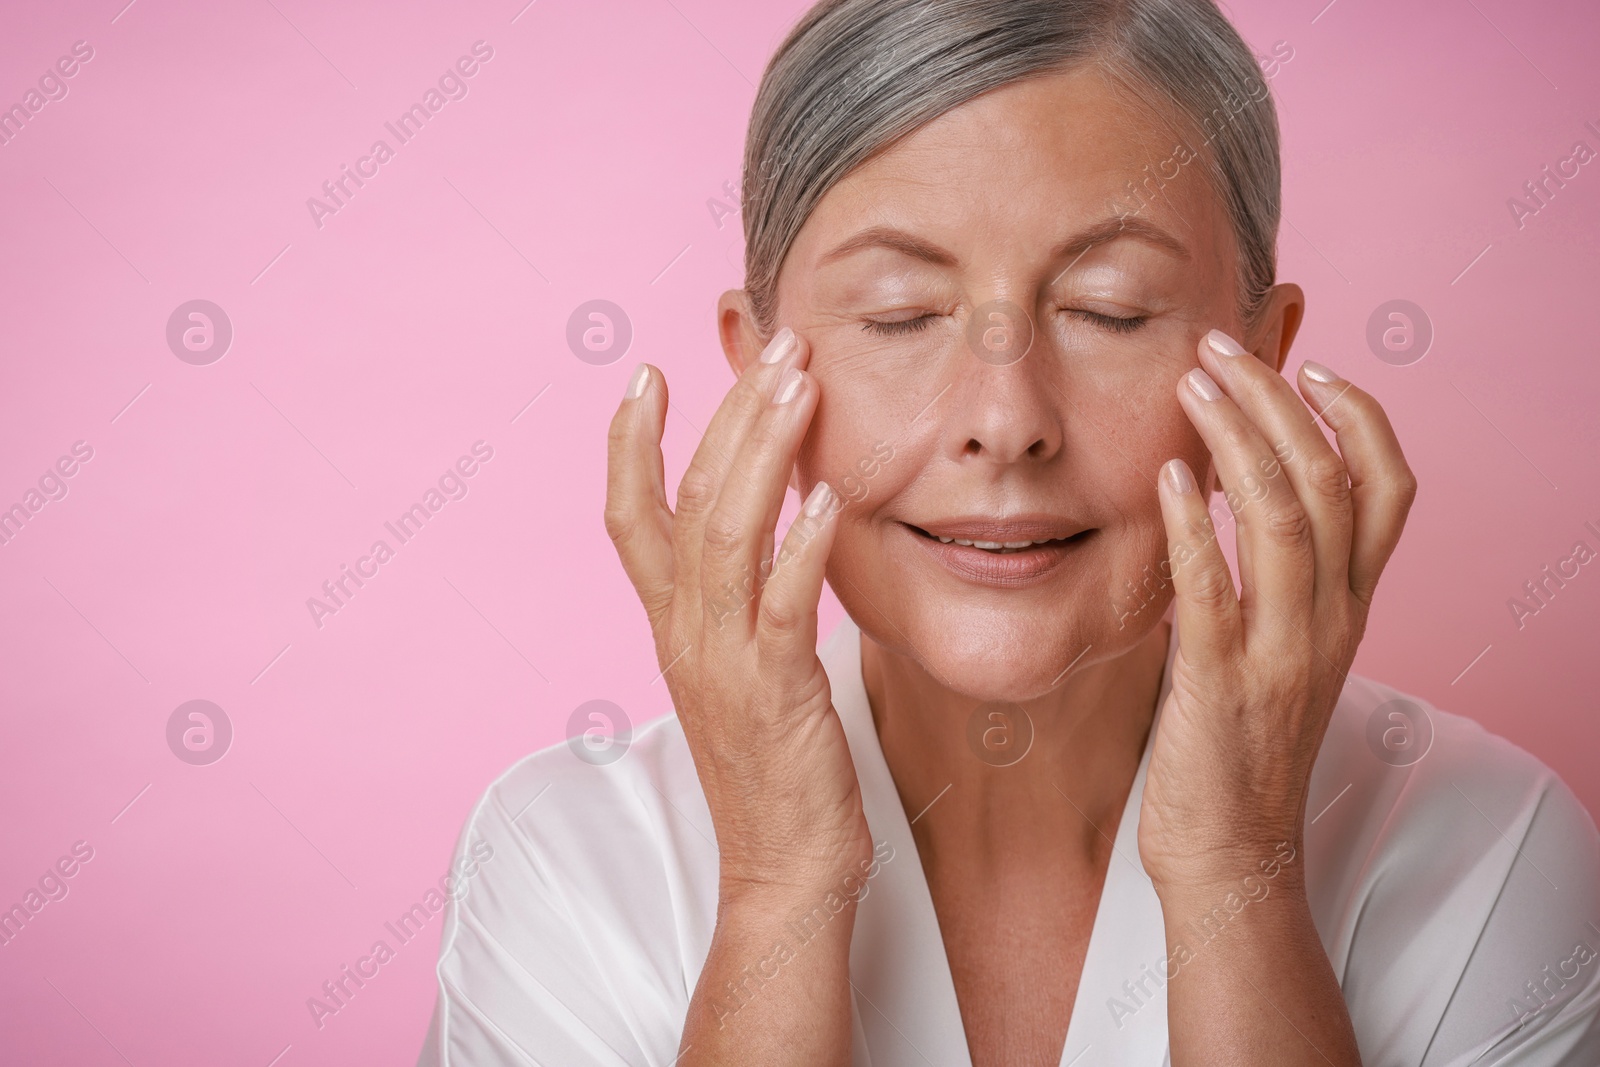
(637,383)
(1202,384)
(1318,373)
(818,500)
(1179,478)
(781,345)
(788,386)
(1223,345)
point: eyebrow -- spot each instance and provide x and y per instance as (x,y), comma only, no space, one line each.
(898,240)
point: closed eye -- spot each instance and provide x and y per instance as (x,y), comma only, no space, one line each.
(1114,323)
(900,326)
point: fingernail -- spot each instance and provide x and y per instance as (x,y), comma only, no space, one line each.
(788,386)
(637,383)
(1223,345)
(1318,373)
(818,499)
(1202,384)
(781,345)
(1179,478)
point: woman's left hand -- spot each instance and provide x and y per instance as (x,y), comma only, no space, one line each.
(1256,675)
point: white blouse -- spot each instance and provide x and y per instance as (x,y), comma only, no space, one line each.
(1454,879)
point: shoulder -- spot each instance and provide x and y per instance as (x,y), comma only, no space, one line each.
(589,905)
(576,804)
(1394,768)
(1448,868)
(591,828)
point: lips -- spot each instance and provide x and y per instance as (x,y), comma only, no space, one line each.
(1011,552)
(1013,529)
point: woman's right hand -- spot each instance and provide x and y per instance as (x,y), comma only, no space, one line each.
(736,631)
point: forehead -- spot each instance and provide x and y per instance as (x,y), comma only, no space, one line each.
(1062,150)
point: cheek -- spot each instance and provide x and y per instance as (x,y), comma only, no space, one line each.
(1124,432)
(863,468)
(862,438)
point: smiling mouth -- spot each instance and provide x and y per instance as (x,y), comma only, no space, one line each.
(999,548)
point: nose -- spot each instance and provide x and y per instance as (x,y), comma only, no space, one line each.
(1005,412)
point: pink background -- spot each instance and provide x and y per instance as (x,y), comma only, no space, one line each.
(426,314)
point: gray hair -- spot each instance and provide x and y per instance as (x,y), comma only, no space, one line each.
(853,76)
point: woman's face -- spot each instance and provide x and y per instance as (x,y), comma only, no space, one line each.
(1005,216)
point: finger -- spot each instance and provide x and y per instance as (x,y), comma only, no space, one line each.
(1208,616)
(738,531)
(1315,471)
(713,464)
(1382,487)
(636,515)
(1273,529)
(786,620)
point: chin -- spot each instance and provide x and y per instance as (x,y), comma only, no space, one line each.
(981,630)
(995,653)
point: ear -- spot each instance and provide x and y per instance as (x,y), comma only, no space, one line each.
(1279,322)
(736,329)
(742,342)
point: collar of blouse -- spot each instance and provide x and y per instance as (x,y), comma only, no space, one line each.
(905,1000)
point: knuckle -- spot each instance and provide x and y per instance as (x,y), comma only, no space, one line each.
(723,533)
(1238,437)
(744,401)
(778,617)
(1289,524)
(622,523)
(1406,487)
(697,491)
(766,436)
(746,393)
(1210,588)
(1328,478)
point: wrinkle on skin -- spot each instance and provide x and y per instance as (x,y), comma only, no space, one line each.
(1018,170)
(1078,428)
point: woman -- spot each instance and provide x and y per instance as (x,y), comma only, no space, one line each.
(1054,793)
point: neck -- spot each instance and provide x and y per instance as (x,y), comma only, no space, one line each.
(1007,797)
